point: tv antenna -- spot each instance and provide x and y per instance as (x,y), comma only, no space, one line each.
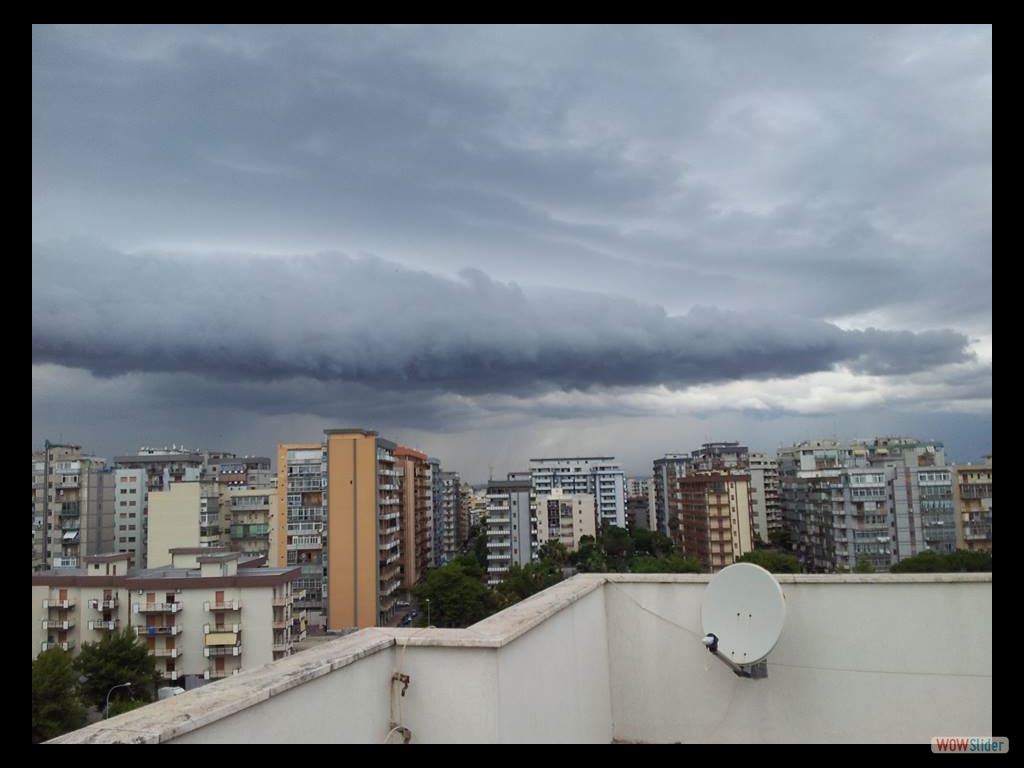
(742,614)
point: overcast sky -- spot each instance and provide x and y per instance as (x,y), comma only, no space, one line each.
(503,242)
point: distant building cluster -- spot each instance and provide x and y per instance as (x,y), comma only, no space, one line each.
(338,531)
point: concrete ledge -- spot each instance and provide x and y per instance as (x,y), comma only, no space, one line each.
(164,720)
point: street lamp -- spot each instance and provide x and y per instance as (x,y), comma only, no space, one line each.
(106,709)
(428,611)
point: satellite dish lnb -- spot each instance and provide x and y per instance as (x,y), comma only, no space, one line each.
(742,614)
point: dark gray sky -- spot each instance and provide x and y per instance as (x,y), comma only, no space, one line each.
(500,242)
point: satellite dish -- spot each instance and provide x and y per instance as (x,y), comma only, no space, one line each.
(742,614)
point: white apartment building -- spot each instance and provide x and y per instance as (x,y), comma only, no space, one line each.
(203,617)
(601,476)
(512,535)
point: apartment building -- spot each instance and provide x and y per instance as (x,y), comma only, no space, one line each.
(240,472)
(719,456)
(601,476)
(249,518)
(923,516)
(972,505)
(715,514)
(363,529)
(131,512)
(566,517)
(764,493)
(301,474)
(187,514)
(204,617)
(512,535)
(72,506)
(668,470)
(164,466)
(414,483)
(451,513)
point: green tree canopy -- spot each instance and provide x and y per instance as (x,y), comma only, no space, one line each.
(56,708)
(457,598)
(121,657)
(522,581)
(772,561)
(863,566)
(954,562)
(554,551)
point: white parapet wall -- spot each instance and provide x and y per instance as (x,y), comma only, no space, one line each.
(618,657)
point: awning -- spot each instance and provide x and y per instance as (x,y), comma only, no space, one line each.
(221,638)
(68,535)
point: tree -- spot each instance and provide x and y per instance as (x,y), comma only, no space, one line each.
(522,581)
(457,599)
(56,707)
(954,562)
(554,551)
(772,561)
(863,566)
(118,658)
(781,538)
(589,557)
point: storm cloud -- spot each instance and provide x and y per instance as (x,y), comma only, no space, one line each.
(368,321)
(247,233)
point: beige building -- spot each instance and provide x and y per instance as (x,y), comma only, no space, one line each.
(363,527)
(566,517)
(972,505)
(173,521)
(203,617)
(715,518)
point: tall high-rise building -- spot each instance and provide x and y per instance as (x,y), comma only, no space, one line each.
(451,512)
(720,456)
(164,466)
(764,492)
(72,507)
(667,471)
(363,529)
(715,517)
(131,514)
(415,485)
(187,514)
(512,535)
(438,553)
(600,475)
(972,503)
(300,520)
(249,518)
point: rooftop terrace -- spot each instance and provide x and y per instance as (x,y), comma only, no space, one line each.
(618,657)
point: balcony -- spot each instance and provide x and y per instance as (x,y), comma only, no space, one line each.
(226,605)
(222,650)
(103,605)
(281,647)
(65,562)
(211,629)
(65,624)
(101,625)
(166,653)
(66,646)
(156,607)
(277,602)
(147,631)
(59,604)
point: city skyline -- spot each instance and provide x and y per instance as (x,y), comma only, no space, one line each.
(498,243)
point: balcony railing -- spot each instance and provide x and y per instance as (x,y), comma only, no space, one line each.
(65,562)
(277,602)
(52,624)
(66,646)
(103,605)
(167,653)
(61,604)
(222,650)
(154,631)
(226,605)
(211,628)
(156,607)
(100,624)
